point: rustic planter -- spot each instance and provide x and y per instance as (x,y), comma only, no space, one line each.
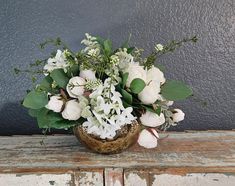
(126,137)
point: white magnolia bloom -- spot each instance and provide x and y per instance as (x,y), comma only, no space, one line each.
(87,74)
(75,87)
(55,103)
(156,75)
(159,47)
(150,93)
(135,71)
(57,62)
(72,110)
(151,119)
(148,139)
(124,58)
(178,115)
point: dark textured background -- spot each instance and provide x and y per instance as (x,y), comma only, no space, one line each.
(208,66)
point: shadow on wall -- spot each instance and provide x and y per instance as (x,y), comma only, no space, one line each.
(16,121)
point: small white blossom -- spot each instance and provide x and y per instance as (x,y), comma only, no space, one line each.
(57,62)
(72,110)
(75,87)
(159,47)
(178,115)
(151,119)
(148,139)
(150,93)
(55,103)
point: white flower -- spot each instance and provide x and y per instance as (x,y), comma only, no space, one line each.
(150,93)
(135,71)
(55,103)
(59,61)
(148,139)
(159,47)
(151,119)
(156,75)
(72,110)
(178,115)
(75,87)
(87,74)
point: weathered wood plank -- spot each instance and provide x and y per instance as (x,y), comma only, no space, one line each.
(133,178)
(89,178)
(191,149)
(36,179)
(196,179)
(113,177)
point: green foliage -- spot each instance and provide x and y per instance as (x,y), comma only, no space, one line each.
(137,85)
(175,90)
(124,79)
(35,99)
(108,47)
(60,77)
(126,96)
(46,83)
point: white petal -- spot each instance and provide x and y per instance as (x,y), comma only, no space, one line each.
(151,119)
(147,140)
(178,115)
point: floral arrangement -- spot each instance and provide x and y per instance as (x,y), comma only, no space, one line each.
(104,89)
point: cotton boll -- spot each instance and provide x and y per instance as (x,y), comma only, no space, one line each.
(147,139)
(135,71)
(155,75)
(87,74)
(150,93)
(55,103)
(178,115)
(72,110)
(151,119)
(75,87)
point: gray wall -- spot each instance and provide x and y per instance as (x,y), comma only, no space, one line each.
(207,66)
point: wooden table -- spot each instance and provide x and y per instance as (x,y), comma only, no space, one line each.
(182,158)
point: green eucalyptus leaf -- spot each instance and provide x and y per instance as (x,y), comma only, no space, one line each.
(35,100)
(124,79)
(175,90)
(60,77)
(126,96)
(137,85)
(46,83)
(158,110)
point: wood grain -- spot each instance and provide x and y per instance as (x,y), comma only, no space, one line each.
(62,153)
